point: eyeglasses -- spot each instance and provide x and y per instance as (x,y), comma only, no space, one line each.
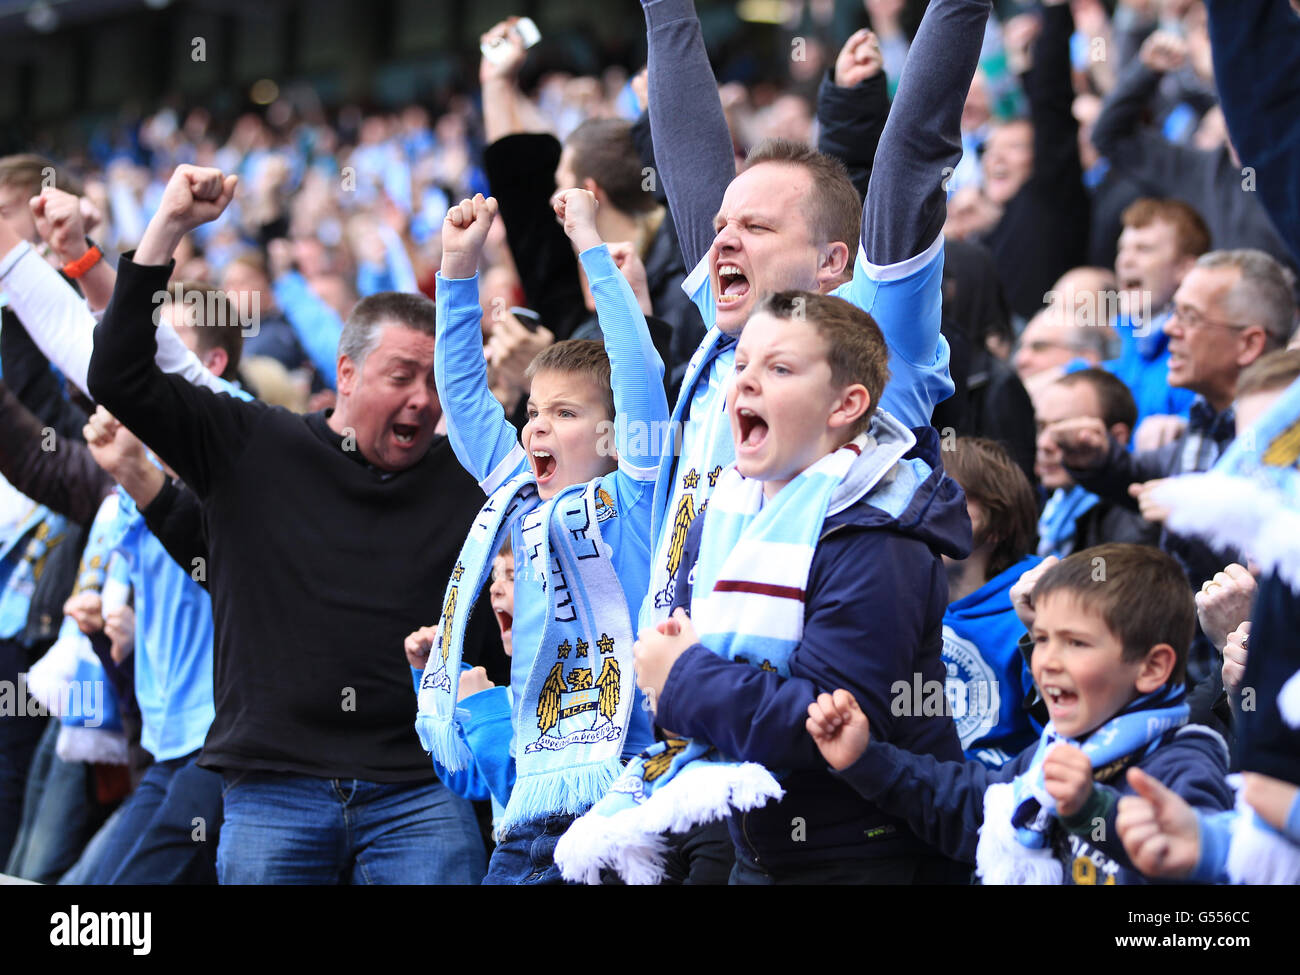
(1193,320)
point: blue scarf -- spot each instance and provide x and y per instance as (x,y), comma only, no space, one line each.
(580,686)
(684,483)
(69,680)
(1056,525)
(1014,844)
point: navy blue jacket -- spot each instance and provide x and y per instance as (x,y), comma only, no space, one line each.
(944,801)
(877,592)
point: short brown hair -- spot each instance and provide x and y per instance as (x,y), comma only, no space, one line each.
(225,332)
(1191,234)
(992,479)
(856,349)
(578,357)
(1273,370)
(1113,397)
(1140,593)
(836,208)
(362,329)
(603,151)
(29,171)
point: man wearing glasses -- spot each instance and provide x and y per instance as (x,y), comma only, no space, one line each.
(1230,309)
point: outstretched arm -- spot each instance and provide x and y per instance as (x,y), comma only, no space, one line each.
(691,139)
(52,470)
(197,432)
(485,443)
(852,107)
(898,277)
(62,326)
(636,372)
(921,144)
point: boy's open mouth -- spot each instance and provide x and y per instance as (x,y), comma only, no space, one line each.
(405,433)
(753,428)
(505,621)
(1059,697)
(543,462)
(732,284)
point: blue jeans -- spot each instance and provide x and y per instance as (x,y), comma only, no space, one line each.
(60,813)
(526,853)
(165,832)
(296,829)
(19,736)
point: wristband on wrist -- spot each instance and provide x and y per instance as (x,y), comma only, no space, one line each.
(75,269)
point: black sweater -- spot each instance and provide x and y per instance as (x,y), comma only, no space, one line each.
(319,564)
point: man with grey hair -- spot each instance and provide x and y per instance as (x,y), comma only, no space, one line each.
(1231,308)
(331,536)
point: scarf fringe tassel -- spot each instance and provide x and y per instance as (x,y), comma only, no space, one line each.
(632,842)
(564,790)
(77,743)
(1000,858)
(442,740)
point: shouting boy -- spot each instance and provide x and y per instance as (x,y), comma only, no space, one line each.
(1111,629)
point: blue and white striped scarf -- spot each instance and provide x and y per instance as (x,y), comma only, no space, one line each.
(747,605)
(580,686)
(69,680)
(685,482)
(1014,844)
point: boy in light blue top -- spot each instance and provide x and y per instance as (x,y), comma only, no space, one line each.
(575,499)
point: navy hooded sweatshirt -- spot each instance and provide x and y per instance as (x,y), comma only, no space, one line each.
(877,591)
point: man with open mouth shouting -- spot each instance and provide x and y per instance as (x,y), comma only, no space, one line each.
(790,220)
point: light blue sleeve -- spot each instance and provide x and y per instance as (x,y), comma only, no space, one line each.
(906,301)
(1216,837)
(484,441)
(636,371)
(469,782)
(485,721)
(316,324)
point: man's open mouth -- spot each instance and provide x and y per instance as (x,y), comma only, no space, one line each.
(543,462)
(405,433)
(753,428)
(732,284)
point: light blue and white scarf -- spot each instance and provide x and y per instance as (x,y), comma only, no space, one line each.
(685,482)
(1059,520)
(580,687)
(747,605)
(1250,499)
(69,680)
(1014,846)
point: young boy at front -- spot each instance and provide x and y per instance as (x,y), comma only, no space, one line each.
(1111,628)
(574,499)
(817,562)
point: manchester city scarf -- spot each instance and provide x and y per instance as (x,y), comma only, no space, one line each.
(69,680)
(685,482)
(1014,844)
(1250,499)
(580,687)
(436,703)
(1056,526)
(747,605)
